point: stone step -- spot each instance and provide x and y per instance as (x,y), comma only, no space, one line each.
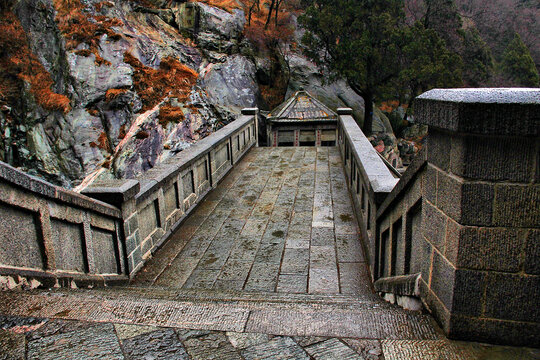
(243,296)
(367,320)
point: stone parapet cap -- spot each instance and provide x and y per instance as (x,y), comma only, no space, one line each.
(373,169)
(486,111)
(250,111)
(42,188)
(114,192)
(344,111)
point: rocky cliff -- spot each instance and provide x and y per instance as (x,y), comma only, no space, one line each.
(110,88)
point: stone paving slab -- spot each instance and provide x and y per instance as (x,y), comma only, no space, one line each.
(42,338)
(273,215)
(332,349)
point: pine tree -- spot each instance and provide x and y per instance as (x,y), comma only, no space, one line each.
(356,40)
(478,61)
(518,65)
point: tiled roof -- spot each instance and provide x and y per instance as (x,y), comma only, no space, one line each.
(302,107)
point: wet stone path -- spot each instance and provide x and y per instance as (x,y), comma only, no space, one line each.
(281,221)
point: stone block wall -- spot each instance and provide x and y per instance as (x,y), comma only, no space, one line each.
(476,240)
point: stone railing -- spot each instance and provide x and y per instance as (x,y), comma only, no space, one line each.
(369,179)
(465,216)
(50,236)
(156,203)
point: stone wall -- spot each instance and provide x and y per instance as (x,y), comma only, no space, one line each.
(465,215)
(51,236)
(155,204)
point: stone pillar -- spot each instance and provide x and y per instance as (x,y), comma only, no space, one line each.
(481,213)
(121,193)
(255,113)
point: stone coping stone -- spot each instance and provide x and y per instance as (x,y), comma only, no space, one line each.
(404,285)
(378,175)
(45,189)
(408,176)
(114,192)
(250,111)
(345,111)
(488,111)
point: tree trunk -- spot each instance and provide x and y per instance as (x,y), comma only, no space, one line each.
(269,18)
(368,107)
(368,114)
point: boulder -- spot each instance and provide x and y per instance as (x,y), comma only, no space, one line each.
(232,83)
(227,25)
(306,75)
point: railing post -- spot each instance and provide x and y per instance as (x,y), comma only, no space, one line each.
(121,193)
(481,213)
(255,113)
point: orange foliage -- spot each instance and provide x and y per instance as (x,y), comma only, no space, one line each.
(391,105)
(272,95)
(122,132)
(92,111)
(17,62)
(168,113)
(142,134)
(100,5)
(227,5)
(102,142)
(112,94)
(172,78)
(78,26)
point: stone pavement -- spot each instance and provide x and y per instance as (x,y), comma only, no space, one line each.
(269,266)
(280,222)
(121,324)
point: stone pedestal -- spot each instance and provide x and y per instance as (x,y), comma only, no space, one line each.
(481,213)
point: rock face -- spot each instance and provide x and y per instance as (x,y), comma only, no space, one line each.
(232,83)
(117,124)
(112,126)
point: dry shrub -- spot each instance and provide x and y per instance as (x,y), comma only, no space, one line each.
(112,94)
(122,132)
(102,142)
(83,52)
(93,111)
(100,5)
(168,113)
(172,78)
(227,5)
(78,26)
(18,63)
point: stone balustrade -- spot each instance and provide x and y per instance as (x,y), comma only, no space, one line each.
(52,236)
(157,202)
(466,215)
(370,180)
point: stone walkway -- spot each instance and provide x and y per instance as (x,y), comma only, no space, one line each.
(269,266)
(280,222)
(136,324)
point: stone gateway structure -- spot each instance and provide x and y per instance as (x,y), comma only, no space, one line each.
(301,121)
(302,241)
